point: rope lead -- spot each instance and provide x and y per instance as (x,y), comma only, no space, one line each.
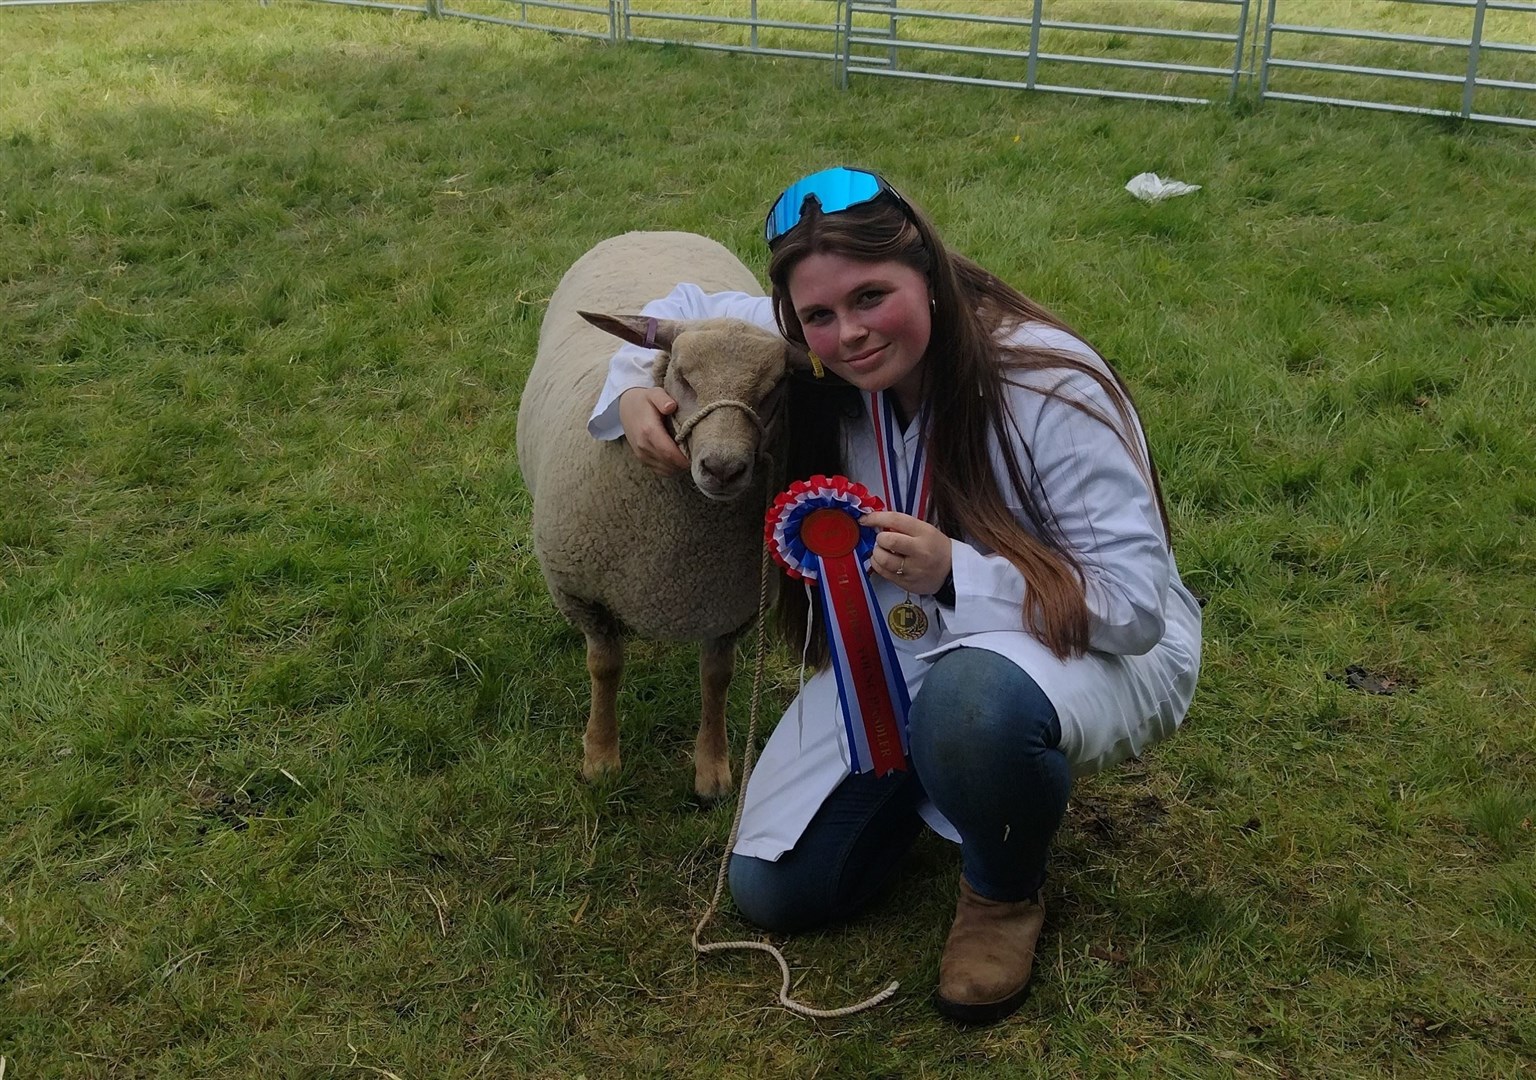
(741,801)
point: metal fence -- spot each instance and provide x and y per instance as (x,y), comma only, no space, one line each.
(1467,70)
(1474,59)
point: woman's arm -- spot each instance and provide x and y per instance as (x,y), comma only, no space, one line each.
(630,367)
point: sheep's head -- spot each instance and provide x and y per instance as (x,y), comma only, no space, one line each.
(728,378)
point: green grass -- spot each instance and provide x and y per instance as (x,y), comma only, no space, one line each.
(289,730)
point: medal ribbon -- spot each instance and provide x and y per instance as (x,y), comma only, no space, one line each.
(905,619)
(813,532)
(912,499)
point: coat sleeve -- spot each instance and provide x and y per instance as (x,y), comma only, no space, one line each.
(631,364)
(1097,495)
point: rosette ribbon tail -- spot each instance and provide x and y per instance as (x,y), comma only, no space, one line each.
(813,531)
(870,685)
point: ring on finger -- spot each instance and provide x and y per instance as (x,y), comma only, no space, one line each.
(901,568)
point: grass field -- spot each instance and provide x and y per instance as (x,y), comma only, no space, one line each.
(289,731)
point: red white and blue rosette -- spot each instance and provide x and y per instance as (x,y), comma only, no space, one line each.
(813,532)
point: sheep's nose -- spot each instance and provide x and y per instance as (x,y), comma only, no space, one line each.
(726,470)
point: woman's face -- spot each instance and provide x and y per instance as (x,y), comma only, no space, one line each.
(868,321)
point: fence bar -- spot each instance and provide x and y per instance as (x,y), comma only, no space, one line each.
(420,9)
(1051,24)
(969,80)
(1351,69)
(1140,31)
(1492,5)
(524,5)
(715,46)
(1065,58)
(523,22)
(1366,35)
(1382,106)
(1495,118)
(724,20)
(1506,84)
(594,35)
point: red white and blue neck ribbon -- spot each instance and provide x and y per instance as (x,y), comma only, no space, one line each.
(813,531)
(912,497)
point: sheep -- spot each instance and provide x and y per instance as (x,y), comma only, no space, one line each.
(622,549)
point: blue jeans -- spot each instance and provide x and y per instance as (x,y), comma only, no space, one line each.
(984,740)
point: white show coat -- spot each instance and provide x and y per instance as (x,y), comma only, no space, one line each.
(1130,690)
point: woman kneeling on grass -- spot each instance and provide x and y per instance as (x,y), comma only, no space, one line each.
(1043,631)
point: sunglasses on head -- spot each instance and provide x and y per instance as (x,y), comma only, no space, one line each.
(834,190)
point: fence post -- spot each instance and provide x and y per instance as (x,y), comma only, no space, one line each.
(1269,44)
(434,9)
(845,23)
(1034,47)
(892,60)
(1474,47)
(1237,55)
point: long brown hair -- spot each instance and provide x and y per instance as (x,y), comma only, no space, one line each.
(965,375)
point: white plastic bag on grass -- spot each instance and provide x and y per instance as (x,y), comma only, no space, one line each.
(1149,187)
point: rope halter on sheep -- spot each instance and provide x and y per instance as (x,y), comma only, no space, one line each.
(652,325)
(686,427)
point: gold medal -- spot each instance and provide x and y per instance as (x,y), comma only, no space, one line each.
(907,621)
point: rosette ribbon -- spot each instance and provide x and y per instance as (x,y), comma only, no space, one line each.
(813,532)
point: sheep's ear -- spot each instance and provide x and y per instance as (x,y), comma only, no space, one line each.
(796,358)
(636,329)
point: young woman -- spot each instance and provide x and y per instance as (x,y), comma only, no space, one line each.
(1043,631)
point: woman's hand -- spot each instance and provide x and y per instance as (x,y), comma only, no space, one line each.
(642,412)
(909,552)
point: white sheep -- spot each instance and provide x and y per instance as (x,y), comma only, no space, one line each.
(620,547)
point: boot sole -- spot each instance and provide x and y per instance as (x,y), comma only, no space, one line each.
(986,1012)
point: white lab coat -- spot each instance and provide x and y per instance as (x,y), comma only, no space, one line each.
(1130,690)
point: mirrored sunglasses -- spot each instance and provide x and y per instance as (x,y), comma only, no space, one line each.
(834,190)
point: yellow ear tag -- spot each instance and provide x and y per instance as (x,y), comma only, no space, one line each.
(816,368)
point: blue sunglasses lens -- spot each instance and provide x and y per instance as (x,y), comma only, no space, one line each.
(835,190)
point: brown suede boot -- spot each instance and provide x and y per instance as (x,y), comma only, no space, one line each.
(984,974)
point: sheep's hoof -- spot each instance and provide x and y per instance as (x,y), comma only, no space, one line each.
(711,784)
(596,766)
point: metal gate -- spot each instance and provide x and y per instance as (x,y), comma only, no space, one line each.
(1473,59)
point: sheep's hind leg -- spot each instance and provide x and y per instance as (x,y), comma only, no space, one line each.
(600,744)
(711,753)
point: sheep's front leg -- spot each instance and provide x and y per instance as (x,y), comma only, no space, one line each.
(600,745)
(711,755)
